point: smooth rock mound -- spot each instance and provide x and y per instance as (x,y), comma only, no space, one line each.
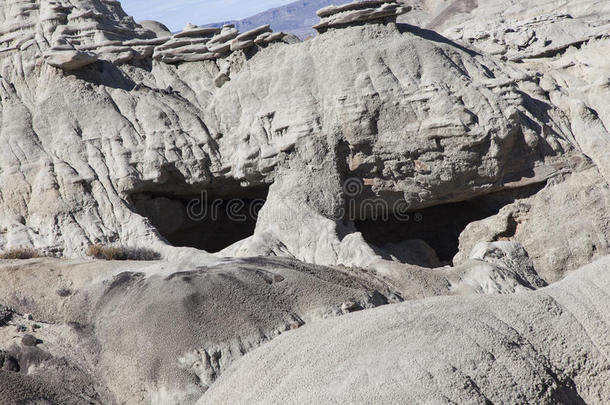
(157,333)
(545,347)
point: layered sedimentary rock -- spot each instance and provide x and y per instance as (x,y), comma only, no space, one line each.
(562,42)
(63,30)
(158,28)
(73,34)
(359,12)
(70,60)
(195,44)
(283,185)
(416,120)
(535,37)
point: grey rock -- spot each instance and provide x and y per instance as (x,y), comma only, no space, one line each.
(70,60)
(406,119)
(197,32)
(226,34)
(197,321)
(511,256)
(545,347)
(558,236)
(499,145)
(29,340)
(6,314)
(155,26)
(295,18)
(237,45)
(359,12)
(252,34)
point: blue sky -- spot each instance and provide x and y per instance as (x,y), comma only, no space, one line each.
(177,13)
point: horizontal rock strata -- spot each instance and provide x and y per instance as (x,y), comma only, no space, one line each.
(359,12)
(196,44)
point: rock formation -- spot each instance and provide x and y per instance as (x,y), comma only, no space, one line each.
(359,13)
(460,350)
(285,182)
(295,112)
(196,44)
(74,34)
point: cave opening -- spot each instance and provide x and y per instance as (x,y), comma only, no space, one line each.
(210,220)
(438,226)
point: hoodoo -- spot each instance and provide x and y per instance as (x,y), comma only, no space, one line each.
(359,12)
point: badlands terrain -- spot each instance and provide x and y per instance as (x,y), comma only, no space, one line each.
(411,206)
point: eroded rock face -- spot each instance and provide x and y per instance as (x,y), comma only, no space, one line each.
(196,44)
(408,163)
(52,27)
(359,12)
(562,227)
(416,119)
(70,60)
(405,118)
(163,333)
(157,27)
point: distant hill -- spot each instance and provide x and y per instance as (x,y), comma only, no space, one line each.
(296,18)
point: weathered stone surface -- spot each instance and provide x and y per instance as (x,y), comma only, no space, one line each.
(155,26)
(510,256)
(196,44)
(100,312)
(536,37)
(195,322)
(249,35)
(227,34)
(246,121)
(39,26)
(562,227)
(237,45)
(70,60)
(197,32)
(359,13)
(357,5)
(453,129)
(545,347)
(408,163)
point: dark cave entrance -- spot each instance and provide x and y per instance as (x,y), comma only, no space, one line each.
(438,226)
(209,220)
